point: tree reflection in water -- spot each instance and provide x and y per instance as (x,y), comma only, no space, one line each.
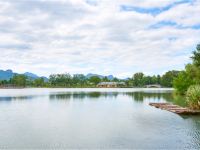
(82,95)
(14,98)
(141,96)
(136,96)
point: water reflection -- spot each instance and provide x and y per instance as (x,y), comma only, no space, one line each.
(141,96)
(136,96)
(82,95)
(11,98)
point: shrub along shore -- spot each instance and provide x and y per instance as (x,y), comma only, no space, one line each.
(188,81)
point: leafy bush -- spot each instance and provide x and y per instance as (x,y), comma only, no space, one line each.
(193,97)
(182,82)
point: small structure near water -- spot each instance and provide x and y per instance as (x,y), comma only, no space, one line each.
(111,84)
(153,86)
(175,108)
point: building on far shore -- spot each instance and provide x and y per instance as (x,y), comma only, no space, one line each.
(111,84)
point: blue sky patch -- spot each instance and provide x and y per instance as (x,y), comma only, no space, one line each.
(173,24)
(163,24)
(153,10)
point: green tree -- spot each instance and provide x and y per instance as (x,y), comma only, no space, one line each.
(129,82)
(61,80)
(147,80)
(191,74)
(95,80)
(168,77)
(52,80)
(105,79)
(196,56)
(4,82)
(39,82)
(158,79)
(182,82)
(115,79)
(79,80)
(138,79)
(19,80)
(154,80)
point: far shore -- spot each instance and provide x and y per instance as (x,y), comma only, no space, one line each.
(82,88)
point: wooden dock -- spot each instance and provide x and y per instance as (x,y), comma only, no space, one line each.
(175,109)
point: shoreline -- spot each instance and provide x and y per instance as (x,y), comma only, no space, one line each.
(82,88)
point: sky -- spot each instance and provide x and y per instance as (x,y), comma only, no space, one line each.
(118,37)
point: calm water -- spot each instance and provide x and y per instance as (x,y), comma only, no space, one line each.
(93,118)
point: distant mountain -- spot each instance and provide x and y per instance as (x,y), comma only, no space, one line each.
(31,75)
(6,75)
(110,77)
(92,75)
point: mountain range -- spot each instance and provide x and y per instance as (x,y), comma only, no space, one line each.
(110,77)
(7,74)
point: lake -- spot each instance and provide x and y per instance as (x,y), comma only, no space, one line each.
(94,118)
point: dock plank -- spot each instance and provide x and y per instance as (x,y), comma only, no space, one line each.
(175,108)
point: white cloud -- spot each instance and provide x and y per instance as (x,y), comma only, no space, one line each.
(55,36)
(185,14)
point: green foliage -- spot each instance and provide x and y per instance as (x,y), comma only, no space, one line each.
(61,80)
(193,97)
(147,80)
(95,80)
(168,78)
(182,82)
(196,56)
(4,82)
(79,80)
(138,79)
(158,79)
(105,79)
(19,80)
(39,82)
(191,74)
(116,80)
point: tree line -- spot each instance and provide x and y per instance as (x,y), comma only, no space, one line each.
(140,79)
(79,80)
